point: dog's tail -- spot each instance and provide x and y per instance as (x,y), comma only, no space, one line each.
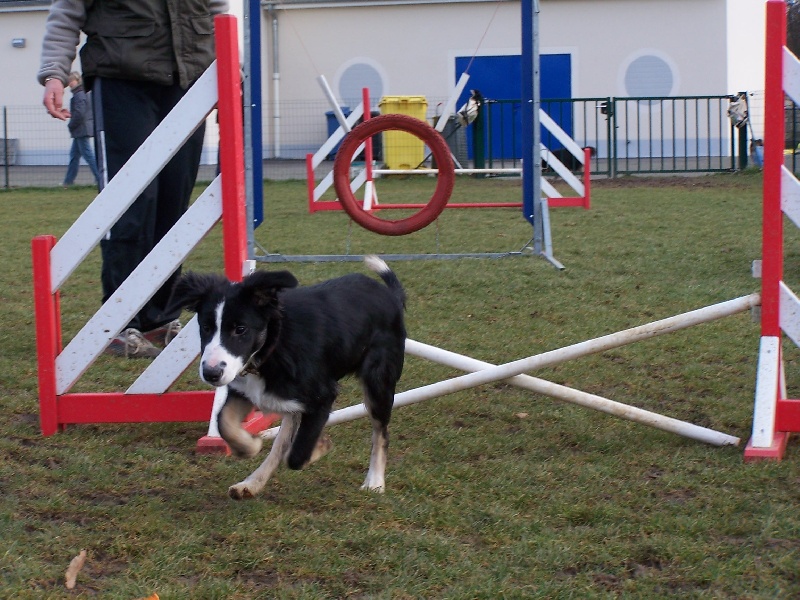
(376,264)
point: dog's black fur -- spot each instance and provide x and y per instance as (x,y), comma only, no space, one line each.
(282,348)
(567,159)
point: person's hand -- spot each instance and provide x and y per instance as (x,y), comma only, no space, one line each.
(54,99)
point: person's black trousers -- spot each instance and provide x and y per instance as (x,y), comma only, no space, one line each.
(130,112)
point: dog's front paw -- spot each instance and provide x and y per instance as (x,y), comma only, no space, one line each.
(241,491)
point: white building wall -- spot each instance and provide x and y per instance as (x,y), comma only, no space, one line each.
(20,65)
(414,47)
(746,22)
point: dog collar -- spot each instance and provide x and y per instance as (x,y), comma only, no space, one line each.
(253,363)
(250,367)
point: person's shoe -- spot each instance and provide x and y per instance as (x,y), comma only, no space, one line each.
(165,334)
(132,344)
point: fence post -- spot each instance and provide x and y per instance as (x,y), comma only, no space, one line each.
(478,138)
(742,148)
(5,145)
(612,137)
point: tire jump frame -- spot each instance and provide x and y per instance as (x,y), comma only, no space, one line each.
(358,138)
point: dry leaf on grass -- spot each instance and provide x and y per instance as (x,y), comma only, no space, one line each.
(75,565)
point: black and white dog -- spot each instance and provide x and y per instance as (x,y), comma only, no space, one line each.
(567,159)
(282,349)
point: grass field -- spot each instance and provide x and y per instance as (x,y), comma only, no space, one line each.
(492,492)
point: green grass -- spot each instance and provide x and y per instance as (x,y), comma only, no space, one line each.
(492,492)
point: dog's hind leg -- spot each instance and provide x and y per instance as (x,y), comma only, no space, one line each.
(229,421)
(379,374)
(324,445)
(375,480)
(256,481)
(308,446)
(378,398)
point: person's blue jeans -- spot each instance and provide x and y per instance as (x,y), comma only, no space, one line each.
(80,148)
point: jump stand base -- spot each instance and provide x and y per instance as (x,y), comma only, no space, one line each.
(258,422)
(774,452)
(212,445)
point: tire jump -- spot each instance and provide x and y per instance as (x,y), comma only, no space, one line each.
(369,219)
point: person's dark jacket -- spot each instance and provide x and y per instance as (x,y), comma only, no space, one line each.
(160,41)
(81,123)
(148,40)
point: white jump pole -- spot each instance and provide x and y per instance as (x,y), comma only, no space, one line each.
(561,392)
(337,110)
(553,357)
(450,105)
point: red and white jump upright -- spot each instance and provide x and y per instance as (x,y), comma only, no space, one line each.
(775,416)
(148,398)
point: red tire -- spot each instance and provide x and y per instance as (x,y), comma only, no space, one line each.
(444,181)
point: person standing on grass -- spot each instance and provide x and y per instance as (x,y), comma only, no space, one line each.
(139,59)
(81,128)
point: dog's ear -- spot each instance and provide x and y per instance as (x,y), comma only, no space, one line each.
(192,288)
(263,286)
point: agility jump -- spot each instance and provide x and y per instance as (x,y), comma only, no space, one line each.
(775,415)
(357,138)
(482,373)
(148,398)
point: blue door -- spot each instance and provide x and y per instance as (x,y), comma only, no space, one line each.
(499,78)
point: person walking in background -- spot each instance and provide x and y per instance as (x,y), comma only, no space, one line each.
(139,59)
(81,128)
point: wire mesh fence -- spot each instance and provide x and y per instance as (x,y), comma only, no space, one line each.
(629,135)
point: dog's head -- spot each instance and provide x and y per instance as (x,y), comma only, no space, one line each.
(234,318)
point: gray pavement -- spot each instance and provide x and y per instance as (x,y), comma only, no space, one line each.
(53,175)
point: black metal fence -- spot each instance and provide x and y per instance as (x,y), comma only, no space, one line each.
(630,135)
(792,135)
